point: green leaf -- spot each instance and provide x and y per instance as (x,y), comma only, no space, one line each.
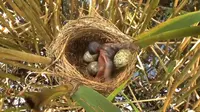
(182,21)
(15,109)
(171,66)
(38,99)
(92,101)
(117,90)
(132,105)
(173,34)
(10,76)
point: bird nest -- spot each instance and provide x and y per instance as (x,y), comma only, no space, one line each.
(72,42)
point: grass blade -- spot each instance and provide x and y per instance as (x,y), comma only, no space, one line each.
(173,34)
(92,101)
(172,24)
(118,90)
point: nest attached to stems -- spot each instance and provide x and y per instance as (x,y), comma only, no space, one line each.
(72,42)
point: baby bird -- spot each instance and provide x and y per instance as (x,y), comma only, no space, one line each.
(92,68)
(106,53)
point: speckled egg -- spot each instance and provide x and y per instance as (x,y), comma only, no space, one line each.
(92,68)
(122,58)
(87,57)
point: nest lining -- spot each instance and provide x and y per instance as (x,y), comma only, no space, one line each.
(71,44)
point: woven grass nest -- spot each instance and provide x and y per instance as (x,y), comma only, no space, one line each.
(72,42)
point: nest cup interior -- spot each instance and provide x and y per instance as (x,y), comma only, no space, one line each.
(79,45)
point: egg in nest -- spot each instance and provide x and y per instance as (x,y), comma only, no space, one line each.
(92,68)
(87,57)
(122,58)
